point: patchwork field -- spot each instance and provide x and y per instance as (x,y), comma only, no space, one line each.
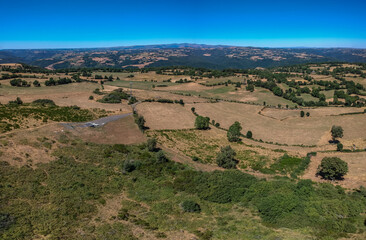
(294,131)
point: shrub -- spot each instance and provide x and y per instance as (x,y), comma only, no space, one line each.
(151,144)
(160,157)
(337,132)
(233,134)
(339,147)
(202,123)
(308,114)
(91,97)
(302,114)
(249,134)
(190,206)
(332,168)
(130,165)
(44,102)
(225,158)
(140,121)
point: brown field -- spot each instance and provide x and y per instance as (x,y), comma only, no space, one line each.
(122,131)
(166,116)
(143,94)
(63,95)
(143,76)
(356,176)
(297,131)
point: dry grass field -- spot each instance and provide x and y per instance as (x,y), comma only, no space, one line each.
(166,116)
(356,166)
(122,131)
(63,95)
(295,131)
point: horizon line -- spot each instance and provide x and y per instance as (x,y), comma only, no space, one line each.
(176,43)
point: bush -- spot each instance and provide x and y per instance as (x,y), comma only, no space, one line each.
(130,165)
(225,158)
(302,114)
(233,134)
(332,168)
(44,102)
(151,144)
(202,123)
(160,157)
(339,147)
(91,97)
(190,206)
(337,132)
(249,134)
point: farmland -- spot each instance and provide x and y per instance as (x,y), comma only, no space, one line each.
(112,181)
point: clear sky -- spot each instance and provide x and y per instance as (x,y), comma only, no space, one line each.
(104,23)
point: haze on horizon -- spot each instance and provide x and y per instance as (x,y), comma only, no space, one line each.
(88,24)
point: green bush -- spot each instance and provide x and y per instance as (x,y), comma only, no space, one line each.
(202,123)
(225,158)
(332,168)
(233,134)
(190,206)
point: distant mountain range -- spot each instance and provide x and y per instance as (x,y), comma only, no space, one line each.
(179,54)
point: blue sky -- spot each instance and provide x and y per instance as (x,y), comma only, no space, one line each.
(81,23)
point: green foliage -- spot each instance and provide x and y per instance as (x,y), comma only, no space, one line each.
(151,144)
(44,102)
(302,114)
(115,96)
(15,114)
(202,123)
(58,198)
(332,168)
(233,134)
(339,147)
(337,132)
(140,121)
(249,134)
(225,158)
(190,206)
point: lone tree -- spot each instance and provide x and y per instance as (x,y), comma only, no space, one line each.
(337,132)
(332,168)
(225,158)
(233,135)
(202,122)
(302,114)
(249,134)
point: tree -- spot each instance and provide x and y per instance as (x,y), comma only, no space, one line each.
(233,135)
(249,134)
(250,87)
(36,83)
(140,121)
(308,114)
(339,147)
(332,168)
(302,114)
(151,144)
(337,132)
(225,158)
(91,97)
(202,122)
(193,109)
